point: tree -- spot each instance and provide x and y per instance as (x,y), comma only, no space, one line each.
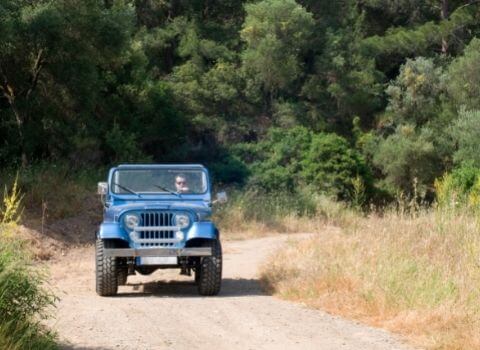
(341,81)
(408,160)
(464,77)
(51,53)
(276,164)
(466,135)
(330,165)
(453,20)
(415,95)
(276,33)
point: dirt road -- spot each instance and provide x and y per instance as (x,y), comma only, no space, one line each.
(163,311)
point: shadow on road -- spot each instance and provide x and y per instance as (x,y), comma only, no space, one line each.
(75,347)
(230,288)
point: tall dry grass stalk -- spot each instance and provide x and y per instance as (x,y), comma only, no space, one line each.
(417,275)
(10,210)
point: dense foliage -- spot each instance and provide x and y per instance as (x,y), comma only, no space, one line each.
(274,94)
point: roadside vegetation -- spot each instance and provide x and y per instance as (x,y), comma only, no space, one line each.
(253,214)
(412,270)
(24,299)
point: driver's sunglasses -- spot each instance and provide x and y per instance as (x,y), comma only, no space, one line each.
(181,182)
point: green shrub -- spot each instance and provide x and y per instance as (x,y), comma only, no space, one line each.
(229,170)
(464,77)
(409,160)
(23,299)
(459,188)
(331,166)
(465,177)
(296,160)
(465,132)
(278,159)
(414,94)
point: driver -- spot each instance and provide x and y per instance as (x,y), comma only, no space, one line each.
(181,183)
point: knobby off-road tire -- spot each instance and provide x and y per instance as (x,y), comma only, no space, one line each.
(122,274)
(197,276)
(209,273)
(106,270)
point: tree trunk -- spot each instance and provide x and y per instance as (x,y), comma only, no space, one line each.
(21,138)
(9,94)
(444,15)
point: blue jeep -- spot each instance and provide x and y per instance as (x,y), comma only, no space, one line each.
(156,217)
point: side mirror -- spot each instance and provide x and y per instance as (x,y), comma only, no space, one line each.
(221,198)
(102,188)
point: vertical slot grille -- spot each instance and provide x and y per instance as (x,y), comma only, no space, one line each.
(157,218)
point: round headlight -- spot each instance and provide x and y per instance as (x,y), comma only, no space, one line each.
(131,221)
(182,220)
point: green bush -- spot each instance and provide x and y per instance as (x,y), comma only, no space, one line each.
(331,166)
(230,169)
(459,188)
(414,94)
(465,177)
(23,299)
(465,132)
(278,158)
(464,77)
(296,160)
(409,160)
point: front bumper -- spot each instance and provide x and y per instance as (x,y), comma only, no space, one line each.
(157,252)
(198,229)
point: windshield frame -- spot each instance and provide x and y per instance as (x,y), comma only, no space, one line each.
(160,193)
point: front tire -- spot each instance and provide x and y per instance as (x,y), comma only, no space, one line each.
(106,269)
(209,273)
(122,273)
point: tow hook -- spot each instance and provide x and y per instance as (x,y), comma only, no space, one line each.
(131,266)
(185,270)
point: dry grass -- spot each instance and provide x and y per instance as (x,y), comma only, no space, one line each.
(238,228)
(251,216)
(416,275)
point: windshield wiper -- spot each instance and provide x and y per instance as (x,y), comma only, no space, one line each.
(167,190)
(127,189)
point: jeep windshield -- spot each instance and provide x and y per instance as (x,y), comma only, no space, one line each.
(154,181)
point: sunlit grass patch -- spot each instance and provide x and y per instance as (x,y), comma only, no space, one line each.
(252,213)
(418,275)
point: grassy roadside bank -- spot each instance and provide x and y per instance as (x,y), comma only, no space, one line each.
(24,300)
(417,275)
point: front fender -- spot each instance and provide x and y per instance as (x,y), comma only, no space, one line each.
(202,229)
(112,230)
